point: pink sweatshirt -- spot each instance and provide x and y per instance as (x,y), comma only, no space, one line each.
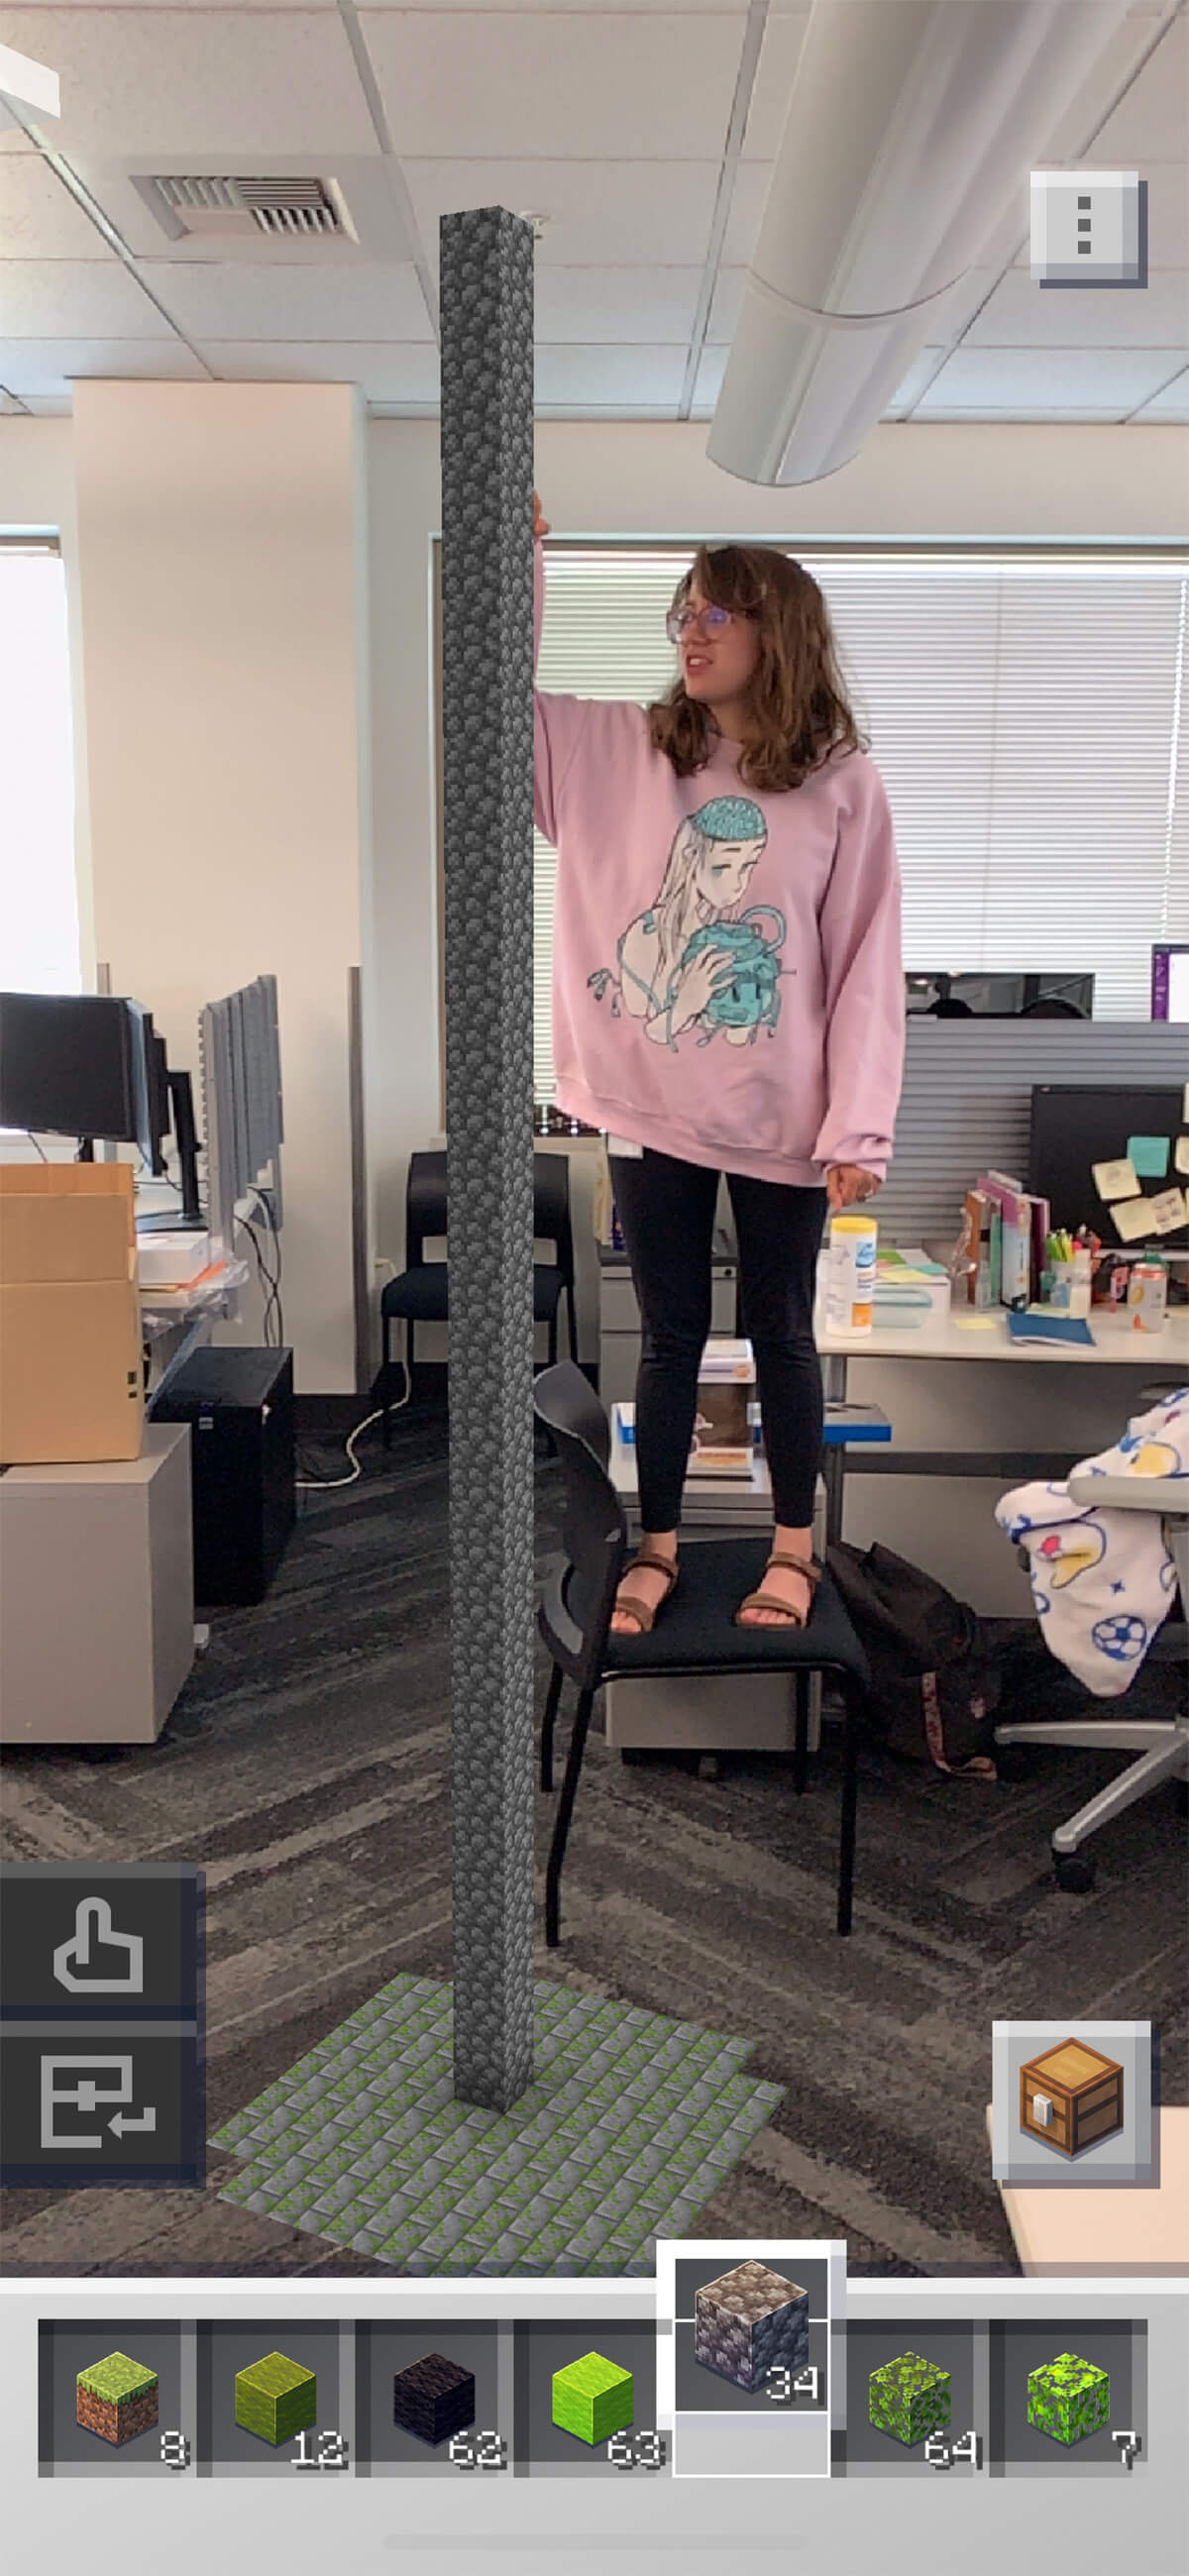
(795,1062)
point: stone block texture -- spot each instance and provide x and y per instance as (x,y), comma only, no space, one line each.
(116,2398)
(486,288)
(751,2321)
(593,2398)
(1068,2398)
(275,2398)
(434,2398)
(909,2398)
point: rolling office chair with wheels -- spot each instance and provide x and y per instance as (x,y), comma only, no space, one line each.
(422,1292)
(1161,1745)
(696,1636)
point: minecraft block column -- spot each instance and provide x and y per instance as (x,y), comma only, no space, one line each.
(486,274)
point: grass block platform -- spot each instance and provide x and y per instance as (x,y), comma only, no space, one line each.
(434,2397)
(632,2122)
(751,2321)
(116,2398)
(275,2398)
(909,2398)
(593,2398)
(1068,2398)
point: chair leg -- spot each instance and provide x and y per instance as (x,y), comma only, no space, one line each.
(551,1708)
(409,1329)
(553,1339)
(561,1829)
(850,1800)
(801,1682)
(385,1382)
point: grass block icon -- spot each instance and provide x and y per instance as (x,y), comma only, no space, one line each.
(275,2398)
(909,2398)
(593,2398)
(1068,2398)
(116,2398)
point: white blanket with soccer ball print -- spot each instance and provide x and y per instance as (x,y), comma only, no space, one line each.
(1103,1581)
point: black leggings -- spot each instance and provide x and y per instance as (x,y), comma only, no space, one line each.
(666,1209)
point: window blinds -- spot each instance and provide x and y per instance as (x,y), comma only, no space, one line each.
(1026,708)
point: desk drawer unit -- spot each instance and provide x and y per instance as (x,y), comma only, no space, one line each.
(1071,2097)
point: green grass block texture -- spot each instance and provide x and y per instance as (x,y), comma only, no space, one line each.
(593,2398)
(909,2398)
(1068,2398)
(116,2378)
(275,2398)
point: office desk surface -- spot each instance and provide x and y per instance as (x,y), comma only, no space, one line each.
(1143,2226)
(987,1338)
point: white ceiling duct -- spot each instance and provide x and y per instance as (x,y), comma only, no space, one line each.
(912,125)
(27,89)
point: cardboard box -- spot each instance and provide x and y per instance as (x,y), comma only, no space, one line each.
(723,1442)
(71,1345)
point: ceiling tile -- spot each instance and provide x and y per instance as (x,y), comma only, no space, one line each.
(68,299)
(601,214)
(558,86)
(388,373)
(1021,313)
(608,375)
(1171,403)
(625,305)
(39,218)
(1058,381)
(1150,122)
(173,81)
(48,366)
(287,302)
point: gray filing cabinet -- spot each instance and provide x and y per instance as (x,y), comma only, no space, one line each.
(97,1595)
(619,1322)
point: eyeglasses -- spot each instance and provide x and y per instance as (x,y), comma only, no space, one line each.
(713,621)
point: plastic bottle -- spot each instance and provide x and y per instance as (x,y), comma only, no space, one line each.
(850,1274)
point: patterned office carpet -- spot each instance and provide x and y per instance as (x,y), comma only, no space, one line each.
(306,1769)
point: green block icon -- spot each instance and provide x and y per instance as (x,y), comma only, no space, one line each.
(909,2398)
(1068,2398)
(592,2398)
(275,2398)
(116,2398)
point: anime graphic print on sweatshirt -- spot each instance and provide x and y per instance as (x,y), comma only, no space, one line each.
(727,983)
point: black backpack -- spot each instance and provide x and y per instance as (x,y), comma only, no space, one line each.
(935,1683)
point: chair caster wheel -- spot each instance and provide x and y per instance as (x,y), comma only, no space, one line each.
(710,1767)
(1074,1873)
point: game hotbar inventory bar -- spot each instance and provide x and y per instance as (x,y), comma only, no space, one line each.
(752,2361)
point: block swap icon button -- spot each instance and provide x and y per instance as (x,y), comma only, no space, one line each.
(94,1943)
(1089,228)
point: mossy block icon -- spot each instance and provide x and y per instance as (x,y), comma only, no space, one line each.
(275,2398)
(910,2398)
(593,2398)
(116,2398)
(1068,2398)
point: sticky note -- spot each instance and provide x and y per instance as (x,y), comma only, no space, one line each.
(1168,1211)
(1115,1180)
(1149,1154)
(1133,1220)
(1183,1153)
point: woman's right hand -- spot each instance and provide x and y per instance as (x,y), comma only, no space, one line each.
(711,968)
(540,524)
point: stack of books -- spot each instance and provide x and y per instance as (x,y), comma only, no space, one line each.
(910,1290)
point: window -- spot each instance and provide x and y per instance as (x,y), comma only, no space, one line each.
(39,924)
(1027,710)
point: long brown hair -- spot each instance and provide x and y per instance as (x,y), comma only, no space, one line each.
(798,701)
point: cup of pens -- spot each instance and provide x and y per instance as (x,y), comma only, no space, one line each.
(1070,1273)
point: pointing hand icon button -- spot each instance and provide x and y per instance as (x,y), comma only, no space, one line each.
(93,1925)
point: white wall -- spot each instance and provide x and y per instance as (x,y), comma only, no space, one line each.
(607,479)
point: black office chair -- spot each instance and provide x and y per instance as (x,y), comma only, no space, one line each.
(695,1634)
(421,1294)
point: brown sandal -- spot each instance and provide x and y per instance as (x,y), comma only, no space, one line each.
(645,1612)
(763,1601)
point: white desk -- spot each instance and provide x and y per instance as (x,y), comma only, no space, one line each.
(995,1415)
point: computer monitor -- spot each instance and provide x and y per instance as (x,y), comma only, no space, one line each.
(989,994)
(1170,980)
(82,1065)
(1077,1129)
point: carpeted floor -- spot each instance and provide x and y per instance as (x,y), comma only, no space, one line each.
(306,1769)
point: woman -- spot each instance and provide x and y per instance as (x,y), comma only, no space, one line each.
(728,996)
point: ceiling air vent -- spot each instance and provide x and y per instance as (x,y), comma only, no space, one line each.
(218,209)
